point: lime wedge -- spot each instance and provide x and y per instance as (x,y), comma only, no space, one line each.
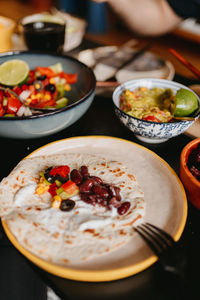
(185,103)
(13,72)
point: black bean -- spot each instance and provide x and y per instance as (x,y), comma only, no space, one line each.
(67,205)
(41,77)
(50,87)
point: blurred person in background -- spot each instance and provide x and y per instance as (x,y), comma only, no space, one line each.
(154,17)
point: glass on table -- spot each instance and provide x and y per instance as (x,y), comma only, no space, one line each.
(7,27)
(46,34)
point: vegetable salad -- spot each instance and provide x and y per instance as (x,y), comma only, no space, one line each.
(44,87)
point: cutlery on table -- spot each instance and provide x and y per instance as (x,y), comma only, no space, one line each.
(170,255)
(185,62)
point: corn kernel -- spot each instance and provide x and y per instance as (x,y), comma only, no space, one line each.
(42,188)
(37,86)
(67,87)
(51,80)
(143,89)
(56,201)
(47,97)
(40,95)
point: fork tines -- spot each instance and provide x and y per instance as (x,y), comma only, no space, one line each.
(156,238)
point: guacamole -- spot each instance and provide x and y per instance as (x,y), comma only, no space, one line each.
(148,104)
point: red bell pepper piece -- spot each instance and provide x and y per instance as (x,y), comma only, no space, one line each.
(31,77)
(32,89)
(46,71)
(2,111)
(70,78)
(151,118)
(1,96)
(17,90)
(24,87)
(63,171)
(52,189)
(13,105)
(43,104)
(34,102)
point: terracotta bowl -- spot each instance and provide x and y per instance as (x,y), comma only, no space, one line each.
(191,184)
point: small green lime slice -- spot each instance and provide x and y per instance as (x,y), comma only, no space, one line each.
(13,72)
(185,103)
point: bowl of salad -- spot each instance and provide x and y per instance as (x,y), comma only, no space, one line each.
(41,94)
(155,110)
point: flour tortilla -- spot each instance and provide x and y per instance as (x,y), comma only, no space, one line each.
(68,238)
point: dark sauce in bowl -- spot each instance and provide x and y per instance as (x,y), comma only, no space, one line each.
(194,162)
(44,36)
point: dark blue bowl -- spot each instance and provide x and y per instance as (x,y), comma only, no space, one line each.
(81,96)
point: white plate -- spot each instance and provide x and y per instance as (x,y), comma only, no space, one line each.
(104,61)
(166,207)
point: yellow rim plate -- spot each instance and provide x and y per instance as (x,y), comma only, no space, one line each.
(155,177)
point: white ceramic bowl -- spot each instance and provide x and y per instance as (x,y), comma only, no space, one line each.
(82,93)
(150,132)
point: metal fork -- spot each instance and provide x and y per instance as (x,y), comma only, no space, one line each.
(170,253)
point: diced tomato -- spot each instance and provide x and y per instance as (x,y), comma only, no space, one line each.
(52,189)
(32,73)
(13,105)
(151,118)
(43,104)
(34,102)
(17,90)
(46,71)
(1,96)
(70,187)
(2,111)
(24,87)
(70,78)
(31,77)
(60,170)
(32,88)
